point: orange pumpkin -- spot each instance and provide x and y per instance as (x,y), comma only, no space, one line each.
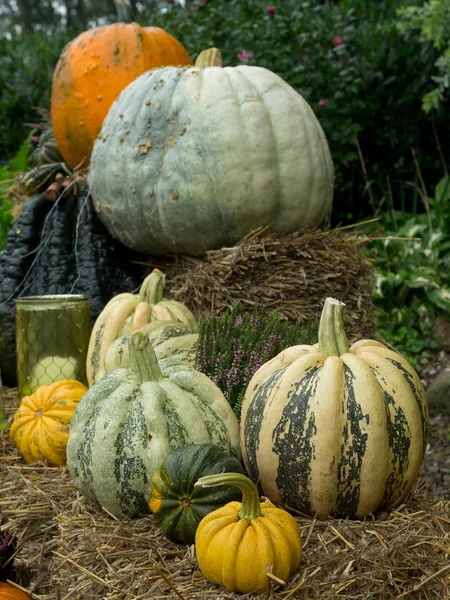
(10,592)
(92,71)
(40,428)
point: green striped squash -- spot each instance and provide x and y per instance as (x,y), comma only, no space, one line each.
(130,420)
(332,429)
(170,339)
(179,505)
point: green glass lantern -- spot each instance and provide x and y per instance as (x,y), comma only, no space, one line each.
(3,420)
(52,338)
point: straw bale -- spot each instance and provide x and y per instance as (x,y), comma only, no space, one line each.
(68,548)
(291,274)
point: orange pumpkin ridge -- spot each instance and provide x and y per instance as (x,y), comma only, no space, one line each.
(92,71)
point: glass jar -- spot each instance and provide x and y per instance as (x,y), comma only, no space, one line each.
(3,420)
(52,338)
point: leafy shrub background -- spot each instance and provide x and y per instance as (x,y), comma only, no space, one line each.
(363,75)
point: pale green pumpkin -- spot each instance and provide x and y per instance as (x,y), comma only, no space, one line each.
(193,158)
(129,421)
(169,339)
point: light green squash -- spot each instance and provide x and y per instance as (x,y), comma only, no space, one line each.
(193,158)
(170,339)
(129,421)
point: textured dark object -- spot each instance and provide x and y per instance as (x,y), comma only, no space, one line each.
(6,553)
(59,248)
(177,504)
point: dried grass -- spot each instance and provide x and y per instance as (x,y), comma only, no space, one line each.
(68,549)
(291,274)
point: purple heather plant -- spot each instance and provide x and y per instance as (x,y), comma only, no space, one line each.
(232,348)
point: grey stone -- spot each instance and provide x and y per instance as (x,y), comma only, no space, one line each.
(438,393)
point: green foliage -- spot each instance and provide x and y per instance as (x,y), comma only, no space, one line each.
(18,164)
(232,348)
(26,69)
(432,21)
(412,270)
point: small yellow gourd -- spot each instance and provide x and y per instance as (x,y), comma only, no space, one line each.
(239,543)
(40,429)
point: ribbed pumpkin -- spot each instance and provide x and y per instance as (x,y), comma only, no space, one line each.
(205,154)
(91,72)
(176,502)
(46,151)
(333,429)
(125,314)
(238,543)
(40,428)
(10,592)
(170,339)
(129,421)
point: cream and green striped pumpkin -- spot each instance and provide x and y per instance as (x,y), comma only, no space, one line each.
(126,313)
(193,158)
(335,430)
(127,423)
(169,339)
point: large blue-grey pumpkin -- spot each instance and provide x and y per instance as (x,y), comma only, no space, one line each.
(129,421)
(193,158)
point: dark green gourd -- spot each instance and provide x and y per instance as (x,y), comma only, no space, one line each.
(59,248)
(178,506)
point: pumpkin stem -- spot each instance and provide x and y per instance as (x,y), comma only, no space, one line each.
(143,360)
(152,289)
(332,338)
(251,507)
(123,11)
(209,58)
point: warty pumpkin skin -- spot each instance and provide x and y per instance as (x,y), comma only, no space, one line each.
(40,428)
(91,72)
(236,544)
(333,429)
(199,156)
(170,339)
(130,420)
(179,505)
(126,313)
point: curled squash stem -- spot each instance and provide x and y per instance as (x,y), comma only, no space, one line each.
(143,360)
(152,289)
(332,338)
(251,507)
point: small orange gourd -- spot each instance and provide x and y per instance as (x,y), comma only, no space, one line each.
(237,544)
(10,592)
(92,71)
(40,428)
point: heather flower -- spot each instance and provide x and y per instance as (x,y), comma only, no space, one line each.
(244,55)
(233,348)
(46,115)
(194,8)
(338,41)
(323,102)
(35,138)
(271,10)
